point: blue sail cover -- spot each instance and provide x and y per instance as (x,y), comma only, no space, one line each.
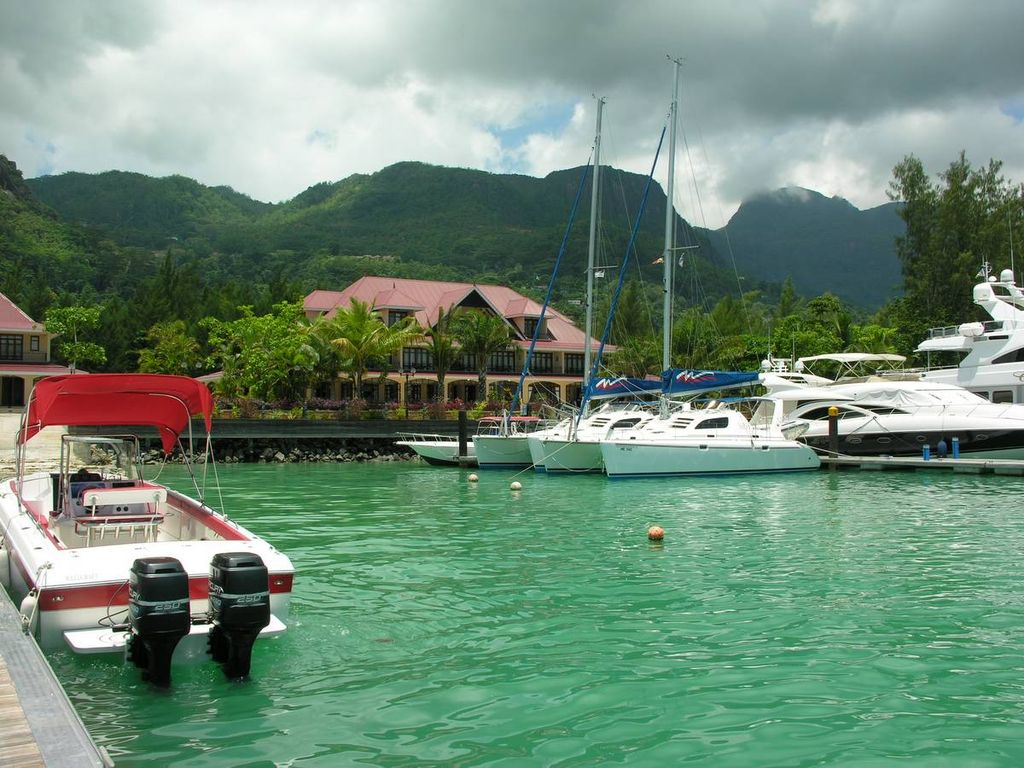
(686,381)
(621,386)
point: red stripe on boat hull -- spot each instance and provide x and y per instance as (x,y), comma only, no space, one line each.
(103,595)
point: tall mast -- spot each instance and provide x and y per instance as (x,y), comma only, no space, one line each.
(595,212)
(668,255)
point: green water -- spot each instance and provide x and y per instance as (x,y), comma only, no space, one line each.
(853,619)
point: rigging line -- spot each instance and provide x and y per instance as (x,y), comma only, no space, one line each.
(622,277)
(551,285)
(725,225)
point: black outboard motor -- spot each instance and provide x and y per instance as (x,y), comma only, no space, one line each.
(239,608)
(158,611)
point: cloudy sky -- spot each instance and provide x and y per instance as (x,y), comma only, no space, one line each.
(272,97)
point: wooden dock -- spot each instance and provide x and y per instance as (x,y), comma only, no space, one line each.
(963,466)
(19,746)
(38,725)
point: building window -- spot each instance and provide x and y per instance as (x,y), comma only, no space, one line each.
(417,358)
(542,362)
(530,326)
(11,347)
(394,315)
(33,343)
(573,364)
(464,363)
(502,362)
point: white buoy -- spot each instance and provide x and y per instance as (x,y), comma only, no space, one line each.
(516,485)
(28,610)
(473,478)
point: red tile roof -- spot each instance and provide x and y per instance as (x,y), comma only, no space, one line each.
(426,297)
(13,319)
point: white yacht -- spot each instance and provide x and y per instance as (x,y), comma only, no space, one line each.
(881,415)
(992,362)
(708,441)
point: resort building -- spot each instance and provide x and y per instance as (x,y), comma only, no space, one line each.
(556,369)
(24,355)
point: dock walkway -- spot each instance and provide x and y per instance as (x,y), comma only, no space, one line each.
(38,725)
(967,466)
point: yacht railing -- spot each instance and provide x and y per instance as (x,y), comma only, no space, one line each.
(954,330)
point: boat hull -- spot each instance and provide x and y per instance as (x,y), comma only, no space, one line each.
(85,587)
(502,451)
(440,453)
(561,455)
(978,443)
(668,459)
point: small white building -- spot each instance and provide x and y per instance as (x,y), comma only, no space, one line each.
(24,355)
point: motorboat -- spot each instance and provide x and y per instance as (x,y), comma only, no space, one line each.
(501,442)
(723,439)
(100,557)
(438,450)
(881,415)
(992,352)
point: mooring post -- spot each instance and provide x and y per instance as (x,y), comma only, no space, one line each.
(833,434)
(463,438)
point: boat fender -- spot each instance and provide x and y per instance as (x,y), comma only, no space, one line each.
(158,615)
(239,609)
(29,618)
(5,568)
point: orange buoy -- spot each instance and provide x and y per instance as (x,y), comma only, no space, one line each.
(655,533)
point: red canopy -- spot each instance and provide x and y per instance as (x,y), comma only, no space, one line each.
(129,399)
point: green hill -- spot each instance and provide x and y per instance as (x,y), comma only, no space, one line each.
(410,220)
(141,210)
(823,244)
(416,220)
(42,256)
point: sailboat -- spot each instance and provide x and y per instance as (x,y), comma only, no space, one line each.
(507,447)
(574,445)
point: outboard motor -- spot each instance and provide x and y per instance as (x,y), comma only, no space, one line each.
(239,608)
(158,613)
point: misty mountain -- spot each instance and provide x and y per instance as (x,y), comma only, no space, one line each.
(822,243)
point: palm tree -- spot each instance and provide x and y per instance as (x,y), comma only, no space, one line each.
(361,336)
(441,344)
(481,334)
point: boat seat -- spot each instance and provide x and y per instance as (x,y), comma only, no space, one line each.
(104,499)
(119,528)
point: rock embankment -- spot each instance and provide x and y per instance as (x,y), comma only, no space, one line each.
(299,451)
(262,452)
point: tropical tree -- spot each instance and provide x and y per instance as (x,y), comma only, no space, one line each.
(637,357)
(481,334)
(876,339)
(442,346)
(70,323)
(952,227)
(262,356)
(362,337)
(171,350)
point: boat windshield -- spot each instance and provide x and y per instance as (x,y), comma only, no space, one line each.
(104,457)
